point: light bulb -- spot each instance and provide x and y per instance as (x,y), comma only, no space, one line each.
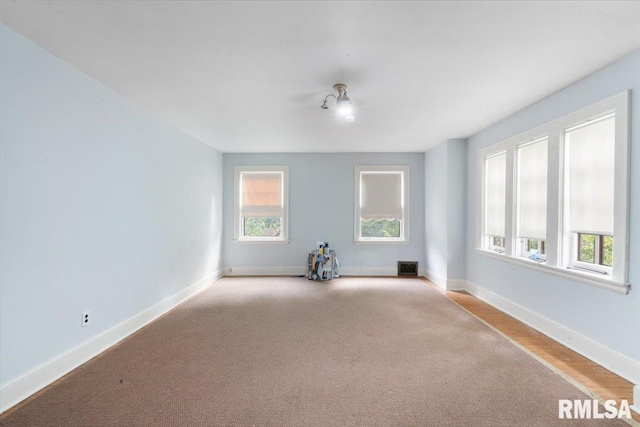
(349,118)
(344,108)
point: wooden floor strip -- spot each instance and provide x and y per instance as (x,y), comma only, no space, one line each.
(601,382)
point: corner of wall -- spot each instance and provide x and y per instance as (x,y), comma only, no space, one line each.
(456,207)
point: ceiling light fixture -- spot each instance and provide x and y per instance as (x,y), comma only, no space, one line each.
(344,108)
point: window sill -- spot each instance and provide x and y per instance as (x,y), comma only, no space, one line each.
(382,242)
(578,276)
(263,242)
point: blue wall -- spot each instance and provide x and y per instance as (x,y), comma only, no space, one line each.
(604,316)
(445,200)
(321,191)
(103,207)
(436,213)
(456,202)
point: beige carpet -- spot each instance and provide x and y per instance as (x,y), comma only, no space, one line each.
(292,352)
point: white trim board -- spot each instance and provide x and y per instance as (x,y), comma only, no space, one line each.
(368,271)
(264,271)
(34,380)
(443,282)
(439,280)
(301,271)
(456,285)
(610,359)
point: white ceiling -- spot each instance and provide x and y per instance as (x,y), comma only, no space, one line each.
(250,76)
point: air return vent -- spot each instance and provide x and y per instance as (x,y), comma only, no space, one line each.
(407,268)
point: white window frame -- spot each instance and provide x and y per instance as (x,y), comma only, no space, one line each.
(559,246)
(404,223)
(284,222)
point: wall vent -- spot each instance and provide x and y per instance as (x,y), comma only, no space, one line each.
(407,268)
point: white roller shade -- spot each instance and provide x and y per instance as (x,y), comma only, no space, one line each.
(590,162)
(381,195)
(495,194)
(261,194)
(532,190)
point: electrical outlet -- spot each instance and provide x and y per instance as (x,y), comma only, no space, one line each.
(229,270)
(85,318)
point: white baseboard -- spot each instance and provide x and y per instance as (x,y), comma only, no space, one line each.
(456,285)
(32,381)
(614,361)
(264,271)
(368,271)
(435,278)
(443,282)
(301,271)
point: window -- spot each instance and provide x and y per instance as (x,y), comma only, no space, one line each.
(496,244)
(495,197)
(535,246)
(261,203)
(381,203)
(589,151)
(533,249)
(593,252)
(556,197)
(531,202)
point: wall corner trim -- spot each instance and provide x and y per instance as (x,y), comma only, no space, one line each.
(456,285)
(610,359)
(34,380)
(439,280)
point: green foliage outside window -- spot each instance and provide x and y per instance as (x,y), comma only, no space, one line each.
(261,227)
(607,250)
(498,242)
(587,244)
(381,228)
(587,248)
(536,245)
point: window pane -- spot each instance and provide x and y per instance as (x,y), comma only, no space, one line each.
(533,245)
(261,227)
(373,228)
(590,157)
(382,202)
(532,190)
(606,250)
(495,194)
(381,195)
(262,194)
(586,248)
